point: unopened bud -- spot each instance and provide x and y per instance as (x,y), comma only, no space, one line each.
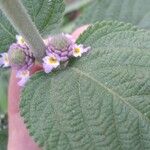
(20,57)
(60,42)
(16,56)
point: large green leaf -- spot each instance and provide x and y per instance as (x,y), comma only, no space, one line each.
(136,12)
(99,102)
(7,33)
(46,14)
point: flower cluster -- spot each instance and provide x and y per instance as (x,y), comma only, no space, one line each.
(20,58)
(59,49)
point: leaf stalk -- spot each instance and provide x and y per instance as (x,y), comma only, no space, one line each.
(17,15)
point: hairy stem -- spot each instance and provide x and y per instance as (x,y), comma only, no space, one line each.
(17,15)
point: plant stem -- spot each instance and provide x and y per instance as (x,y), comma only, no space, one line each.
(17,15)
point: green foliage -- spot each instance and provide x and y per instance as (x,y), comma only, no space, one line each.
(3,140)
(4,75)
(136,12)
(47,14)
(99,102)
(78,4)
(3,131)
(7,33)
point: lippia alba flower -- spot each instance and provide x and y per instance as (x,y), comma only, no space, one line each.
(60,48)
(20,40)
(20,57)
(24,76)
(50,62)
(4,60)
(62,45)
(78,50)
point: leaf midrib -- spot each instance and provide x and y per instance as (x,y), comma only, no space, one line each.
(78,71)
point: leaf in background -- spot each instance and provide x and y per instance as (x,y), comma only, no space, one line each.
(136,12)
(47,14)
(99,102)
(3,140)
(76,5)
(7,33)
(4,76)
(3,131)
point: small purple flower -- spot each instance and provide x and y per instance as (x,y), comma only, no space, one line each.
(50,62)
(24,76)
(78,50)
(4,60)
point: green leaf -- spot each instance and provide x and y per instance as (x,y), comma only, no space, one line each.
(7,33)
(73,6)
(99,102)
(3,140)
(4,77)
(3,131)
(47,14)
(136,12)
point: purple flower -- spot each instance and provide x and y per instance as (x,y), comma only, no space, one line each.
(24,76)
(78,50)
(62,45)
(50,62)
(4,60)
(20,57)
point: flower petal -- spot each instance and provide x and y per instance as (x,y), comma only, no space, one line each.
(45,59)
(23,81)
(23,74)
(47,68)
(4,60)
(85,50)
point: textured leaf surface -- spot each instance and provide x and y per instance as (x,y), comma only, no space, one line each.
(99,102)
(7,33)
(4,77)
(3,131)
(47,14)
(136,12)
(3,140)
(76,5)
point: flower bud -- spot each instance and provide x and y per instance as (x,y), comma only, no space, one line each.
(17,56)
(20,57)
(62,45)
(60,42)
